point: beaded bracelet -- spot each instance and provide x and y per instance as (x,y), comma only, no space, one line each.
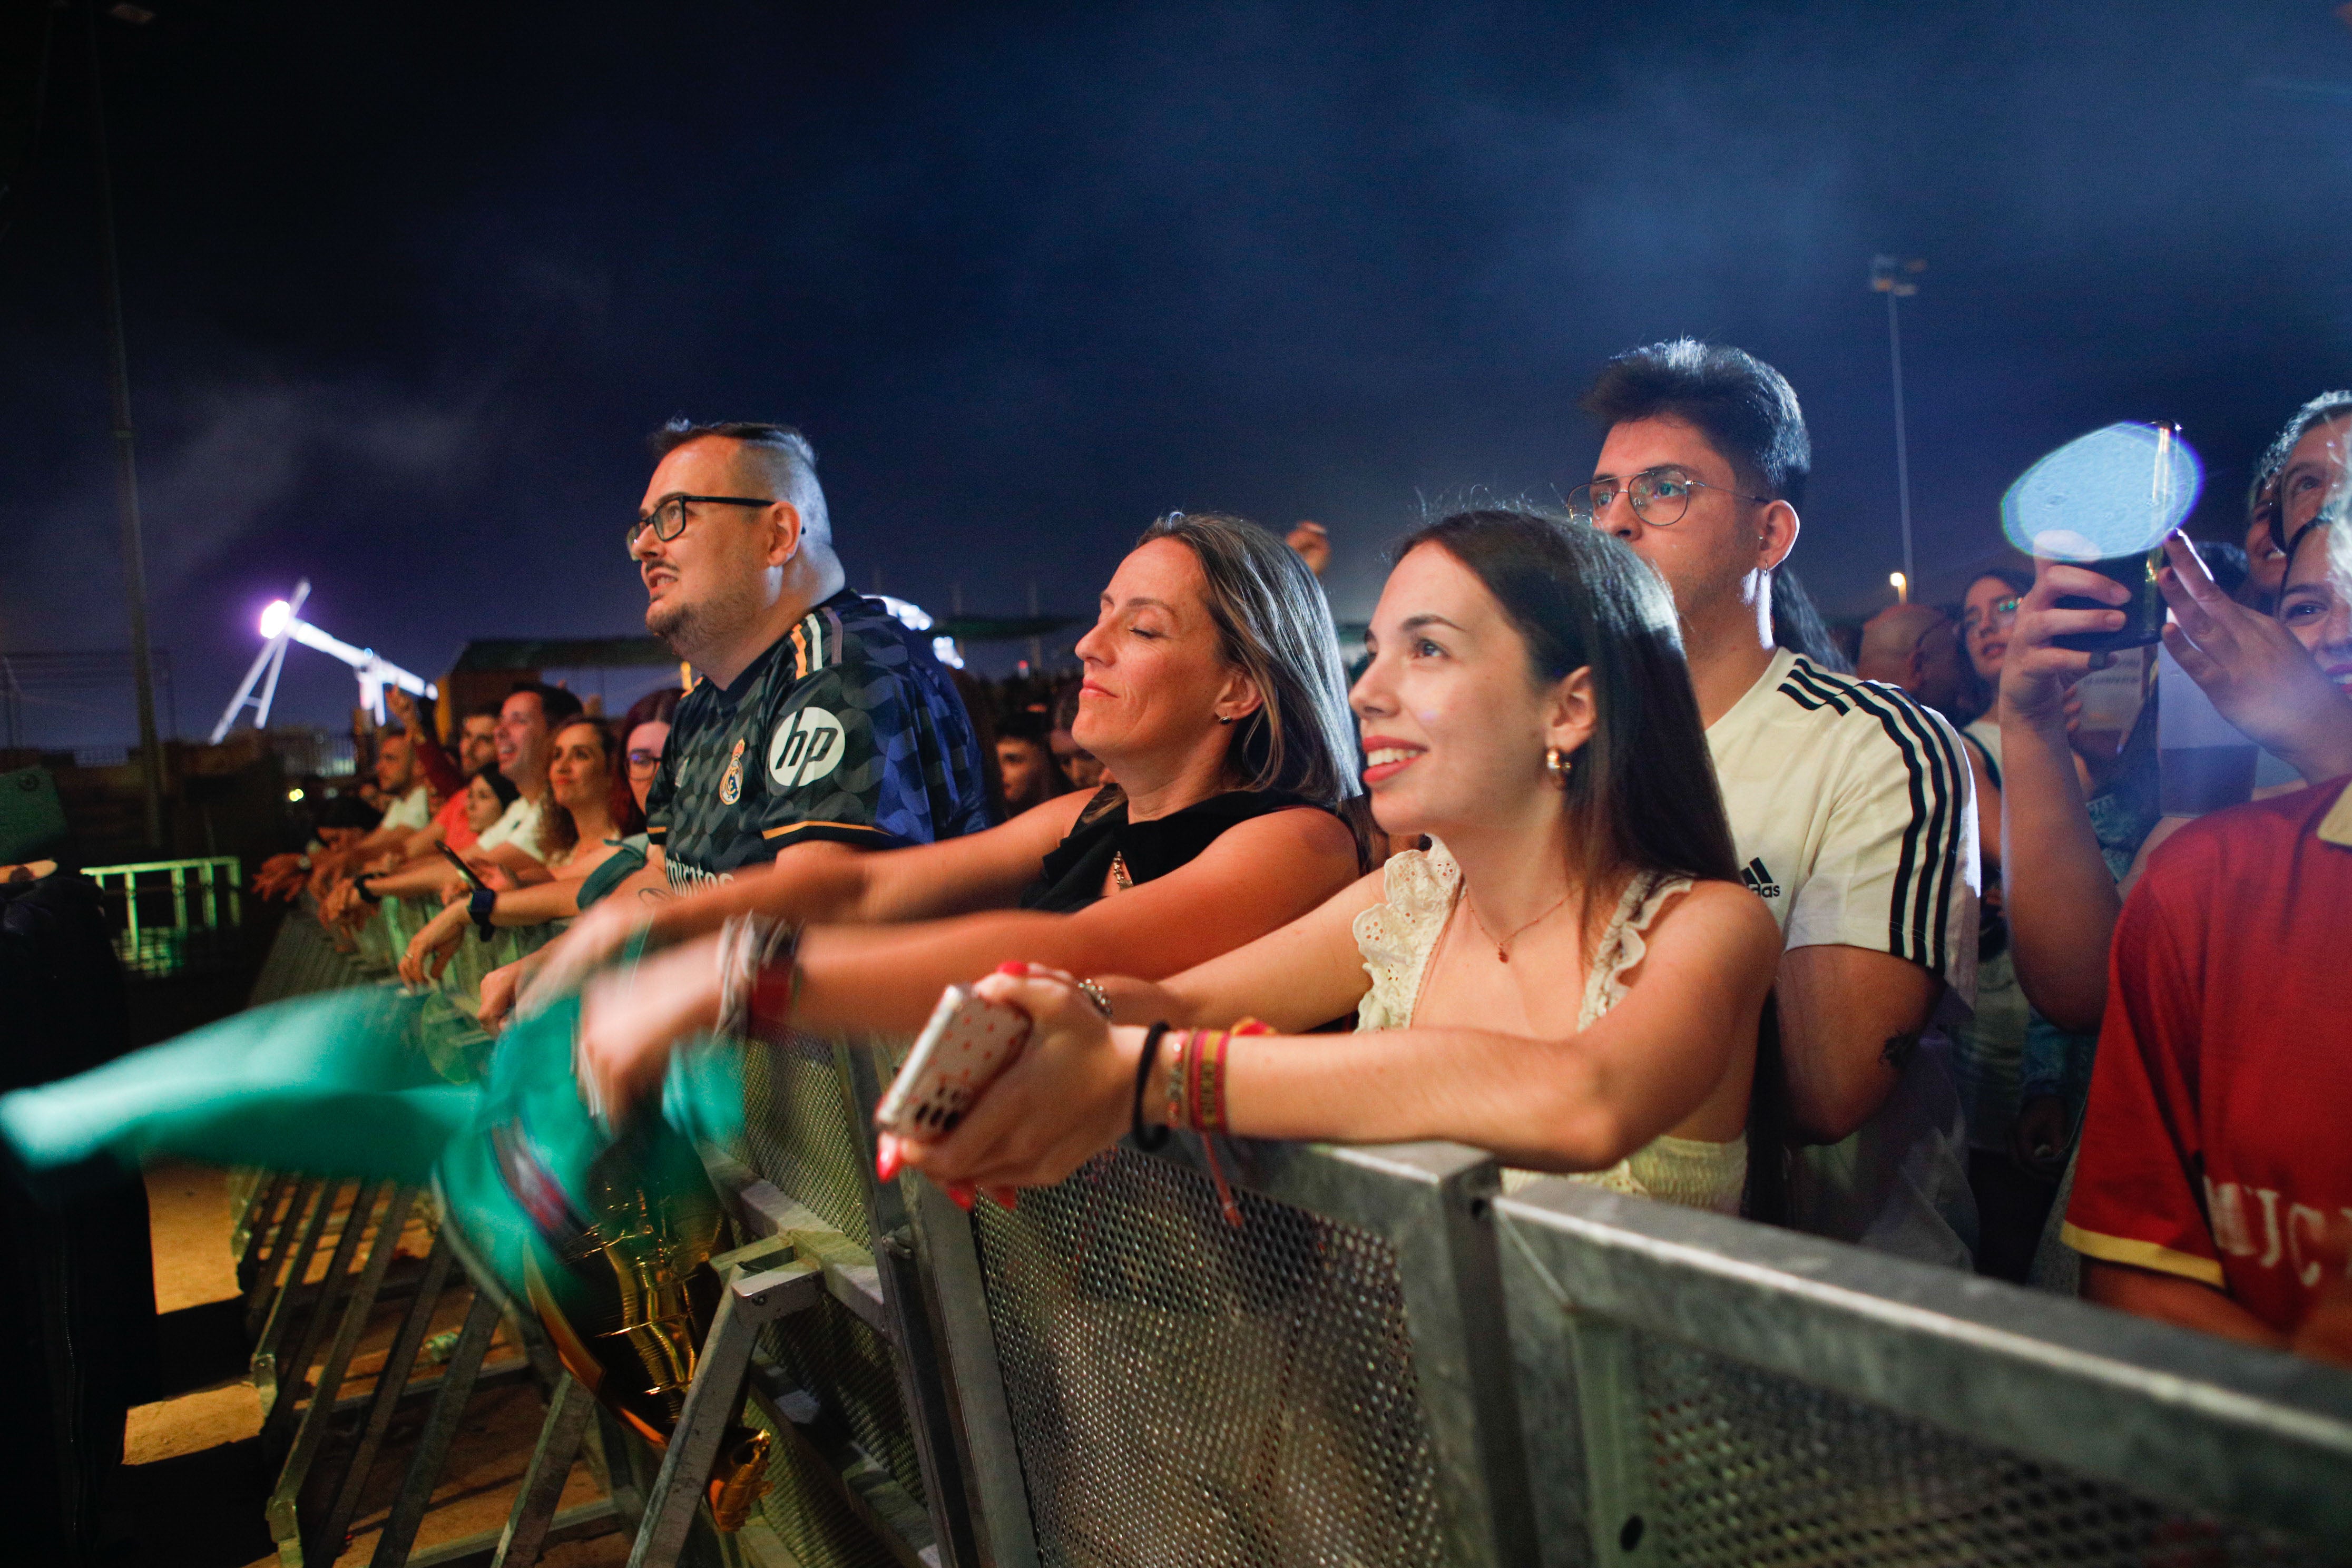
(1145,1138)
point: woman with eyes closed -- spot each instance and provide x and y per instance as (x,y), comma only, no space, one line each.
(1569,976)
(1213,694)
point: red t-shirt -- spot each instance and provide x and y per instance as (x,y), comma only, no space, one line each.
(2215,1145)
(455,830)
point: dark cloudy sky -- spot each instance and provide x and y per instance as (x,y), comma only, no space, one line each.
(407,283)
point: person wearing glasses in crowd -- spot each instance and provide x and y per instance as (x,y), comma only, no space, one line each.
(820,724)
(2017,1083)
(2297,472)
(1851,805)
(1214,694)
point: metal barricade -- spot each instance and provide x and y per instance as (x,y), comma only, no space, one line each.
(303,959)
(175,916)
(1388,1363)
(1698,1390)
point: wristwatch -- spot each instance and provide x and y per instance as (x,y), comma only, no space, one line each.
(359,885)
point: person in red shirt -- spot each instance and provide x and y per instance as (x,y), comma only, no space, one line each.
(2215,1187)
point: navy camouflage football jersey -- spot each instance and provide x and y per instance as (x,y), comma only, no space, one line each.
(846,729)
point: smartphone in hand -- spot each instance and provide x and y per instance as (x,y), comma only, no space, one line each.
(463,869)
(967,1043)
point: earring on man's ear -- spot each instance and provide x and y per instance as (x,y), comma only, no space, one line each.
(1561,763)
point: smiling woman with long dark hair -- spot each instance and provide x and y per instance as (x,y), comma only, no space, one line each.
(1569,976)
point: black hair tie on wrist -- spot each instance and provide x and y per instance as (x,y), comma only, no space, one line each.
(1145,1138)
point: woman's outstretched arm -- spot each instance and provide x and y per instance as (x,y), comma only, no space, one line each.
(825,882)
(1580,1102)
(1257,876)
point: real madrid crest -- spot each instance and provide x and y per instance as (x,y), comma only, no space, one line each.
(730,783)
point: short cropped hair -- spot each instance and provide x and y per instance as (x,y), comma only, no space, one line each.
(554,702)
(787,452)
(1745,408)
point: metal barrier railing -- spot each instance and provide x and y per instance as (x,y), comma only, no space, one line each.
(1390,1362)
(176,916)
(1699,1390)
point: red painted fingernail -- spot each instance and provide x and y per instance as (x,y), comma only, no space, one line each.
(1013,967)
(1005,1198)
(962,1197)
(885,1158)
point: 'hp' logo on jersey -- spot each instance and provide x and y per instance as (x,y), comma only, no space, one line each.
(806,746)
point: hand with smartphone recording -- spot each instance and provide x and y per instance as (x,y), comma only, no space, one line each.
(2041,670)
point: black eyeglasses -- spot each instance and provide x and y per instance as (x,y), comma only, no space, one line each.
(1659,495)
(644,762)
(667,519)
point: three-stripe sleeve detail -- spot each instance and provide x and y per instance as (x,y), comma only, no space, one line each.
(1919,913)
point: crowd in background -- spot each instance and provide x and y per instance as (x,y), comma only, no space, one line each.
(2001,962)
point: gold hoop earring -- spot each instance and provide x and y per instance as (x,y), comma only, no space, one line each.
(1562,764)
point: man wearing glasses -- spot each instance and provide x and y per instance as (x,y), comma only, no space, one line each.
(818,717)
(2301,470)
(1850,803)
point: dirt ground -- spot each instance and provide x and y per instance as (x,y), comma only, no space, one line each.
(195,1480)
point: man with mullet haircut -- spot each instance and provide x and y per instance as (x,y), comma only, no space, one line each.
(1851,805)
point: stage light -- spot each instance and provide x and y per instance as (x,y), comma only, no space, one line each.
(282,623)
(294,795)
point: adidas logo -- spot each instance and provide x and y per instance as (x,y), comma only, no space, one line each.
(1760,880)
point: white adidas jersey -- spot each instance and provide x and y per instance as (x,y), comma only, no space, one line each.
(1853,814)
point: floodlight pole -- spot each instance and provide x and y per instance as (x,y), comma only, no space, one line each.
(1891,276)
(126,467)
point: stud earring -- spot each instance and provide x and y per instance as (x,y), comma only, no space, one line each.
(1562,764)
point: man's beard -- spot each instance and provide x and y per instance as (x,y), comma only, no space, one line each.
(692,630)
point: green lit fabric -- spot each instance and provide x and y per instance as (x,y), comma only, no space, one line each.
(357,1083)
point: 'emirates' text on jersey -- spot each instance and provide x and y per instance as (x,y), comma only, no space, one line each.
(845,729)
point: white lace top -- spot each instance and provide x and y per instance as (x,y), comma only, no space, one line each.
(1397,937)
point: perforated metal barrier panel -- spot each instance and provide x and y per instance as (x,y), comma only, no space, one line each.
(1387,1362)
(1248,1392)
(1700,1390)
(801,1124)
(1752,1468)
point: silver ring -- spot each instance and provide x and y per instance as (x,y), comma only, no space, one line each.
(1097,995)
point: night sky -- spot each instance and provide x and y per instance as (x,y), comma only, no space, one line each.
(407,284)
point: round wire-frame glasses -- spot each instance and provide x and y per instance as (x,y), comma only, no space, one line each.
(1659,495)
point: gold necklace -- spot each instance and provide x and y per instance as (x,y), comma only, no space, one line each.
(1502,948)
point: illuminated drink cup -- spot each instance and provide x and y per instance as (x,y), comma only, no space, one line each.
(2106,501)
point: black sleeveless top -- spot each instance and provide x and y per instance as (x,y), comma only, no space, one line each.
(1075,871)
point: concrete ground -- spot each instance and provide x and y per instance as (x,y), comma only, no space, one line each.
(194,1479)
